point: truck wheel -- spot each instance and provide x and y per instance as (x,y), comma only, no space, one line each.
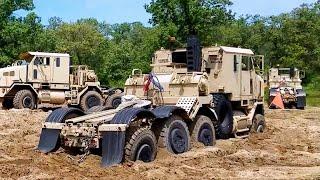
(7,104)
(141,145)
(91,99)
(114,101)
(175,135)
(24,99)
(223,109)
(258,124)
(203,131)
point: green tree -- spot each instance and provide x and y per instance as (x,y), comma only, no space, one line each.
(190,17)
(83,41)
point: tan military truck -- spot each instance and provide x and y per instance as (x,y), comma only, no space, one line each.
(287,83)
(191,94)
(49,79)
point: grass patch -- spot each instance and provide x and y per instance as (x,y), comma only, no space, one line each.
(313,92)
(313,97)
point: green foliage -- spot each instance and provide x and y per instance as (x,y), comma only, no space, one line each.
(189,17)
(290,39)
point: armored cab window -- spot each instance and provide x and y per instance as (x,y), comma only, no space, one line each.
(47,61)
(235,63)
(38,61)
(6,74)
(11,73)
(57,62)
(246,63)
(35,74)
(179,57)
(214,59)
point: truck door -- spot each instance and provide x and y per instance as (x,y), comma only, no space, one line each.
(246,79)
(42,70)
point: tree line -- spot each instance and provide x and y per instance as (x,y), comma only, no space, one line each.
(290,39)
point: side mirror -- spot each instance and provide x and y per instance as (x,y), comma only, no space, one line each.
(302,74)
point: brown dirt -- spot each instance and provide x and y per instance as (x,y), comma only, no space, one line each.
(289,149)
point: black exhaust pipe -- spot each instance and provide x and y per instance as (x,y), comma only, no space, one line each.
(194,54)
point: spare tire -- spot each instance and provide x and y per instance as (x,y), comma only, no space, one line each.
(224,112)
(114,101)
(91,99)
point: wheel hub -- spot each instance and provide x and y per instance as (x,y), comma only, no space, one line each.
(116,103)
(177,141)
(27,102)
(144,153)
(92,101)
(260,129)
(206,136)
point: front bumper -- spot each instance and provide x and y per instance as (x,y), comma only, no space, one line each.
(83,135)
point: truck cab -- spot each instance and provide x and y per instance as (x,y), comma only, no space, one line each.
(287,83)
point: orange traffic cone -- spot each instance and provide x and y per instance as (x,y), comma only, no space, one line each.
(277,101)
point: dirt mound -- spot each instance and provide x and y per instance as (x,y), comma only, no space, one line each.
(290,148)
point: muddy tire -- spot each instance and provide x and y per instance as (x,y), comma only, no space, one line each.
(141,145)
(24,99)
(175,136)
(259,124)
(113,101)
(203,131)
(224,112)
(91,99)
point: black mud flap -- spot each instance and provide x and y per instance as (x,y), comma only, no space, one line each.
(49,140)
(112,148)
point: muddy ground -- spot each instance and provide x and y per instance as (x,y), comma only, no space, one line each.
(290,148)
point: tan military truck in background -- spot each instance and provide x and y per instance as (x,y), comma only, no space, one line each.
(192,93)
(49,79)
(287,83)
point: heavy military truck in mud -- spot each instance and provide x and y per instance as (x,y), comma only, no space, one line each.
(192,95)
(49,79)
(287,83)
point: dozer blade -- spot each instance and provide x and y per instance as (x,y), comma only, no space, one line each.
(48,140)
(112,148)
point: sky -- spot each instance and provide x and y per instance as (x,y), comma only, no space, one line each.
(119,11)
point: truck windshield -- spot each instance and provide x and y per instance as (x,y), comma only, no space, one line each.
(20,63)
(284,71)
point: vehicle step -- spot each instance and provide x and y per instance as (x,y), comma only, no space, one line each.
(186,103)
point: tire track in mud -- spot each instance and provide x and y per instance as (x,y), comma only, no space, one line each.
(290,148)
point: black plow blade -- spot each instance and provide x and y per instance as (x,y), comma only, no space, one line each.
(112,148)
(49,140)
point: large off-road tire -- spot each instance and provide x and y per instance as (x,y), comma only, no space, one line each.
(203,131)
(7,104)
(224,112)
(141,145)
(24,99)
(258,124)
(175,136)
(95,109)
(91,99)
(113,101)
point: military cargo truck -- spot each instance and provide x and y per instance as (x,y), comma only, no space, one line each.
(287,83)
(192,95)
(50,79)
